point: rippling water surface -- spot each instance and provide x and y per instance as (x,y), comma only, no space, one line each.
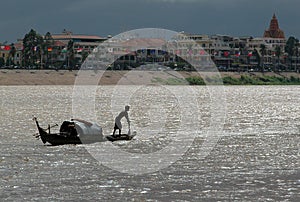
(257,159)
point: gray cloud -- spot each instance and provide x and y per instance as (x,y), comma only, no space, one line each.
(234,17)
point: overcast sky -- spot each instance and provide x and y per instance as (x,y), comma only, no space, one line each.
(111,17)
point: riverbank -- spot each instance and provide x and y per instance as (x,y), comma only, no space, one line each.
(65,77)
(250,79)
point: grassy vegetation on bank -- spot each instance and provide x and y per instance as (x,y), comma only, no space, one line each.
(65,77)
(247,80)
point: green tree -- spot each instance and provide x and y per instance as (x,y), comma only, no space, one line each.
(290,49)
(277,54)
(2,62)
(85,54)
(32,43)
(297,55)
(12,54)
(263,52)
(257,56)
(47,47)
(70,54)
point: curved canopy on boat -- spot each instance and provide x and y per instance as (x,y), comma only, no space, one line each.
(86,130)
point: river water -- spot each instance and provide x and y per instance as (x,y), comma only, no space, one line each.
(255,159)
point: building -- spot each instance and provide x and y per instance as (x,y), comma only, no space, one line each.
(274,31)
(57,54)
(4,54)
(227,52)
(82,45)
(11,54)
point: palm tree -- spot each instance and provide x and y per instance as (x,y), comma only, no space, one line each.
(263,53)
(297,55)
(47,46)
(12,53)
(70,54)
(2,62)
(255,53)
(277,54)
(296,52)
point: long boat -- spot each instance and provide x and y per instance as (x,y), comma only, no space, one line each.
(128,136)
(71,132)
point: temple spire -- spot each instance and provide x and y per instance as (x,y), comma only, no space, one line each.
(274,31)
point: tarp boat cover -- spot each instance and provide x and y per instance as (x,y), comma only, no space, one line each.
(88,133)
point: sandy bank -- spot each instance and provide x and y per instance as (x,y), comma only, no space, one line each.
(65,77)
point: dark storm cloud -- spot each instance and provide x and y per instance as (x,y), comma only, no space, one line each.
(103,17)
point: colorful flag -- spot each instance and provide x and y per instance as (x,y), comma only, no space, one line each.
(79,50)
(49,49)
(238,54)
(226,54)
(250,53)
(202,52)
(7,48)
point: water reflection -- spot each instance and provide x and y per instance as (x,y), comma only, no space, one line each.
(258,159)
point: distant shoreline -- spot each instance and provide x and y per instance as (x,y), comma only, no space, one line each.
(10,77)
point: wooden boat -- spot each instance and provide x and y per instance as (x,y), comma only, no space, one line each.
(129,136)
(120,137)
(70,132)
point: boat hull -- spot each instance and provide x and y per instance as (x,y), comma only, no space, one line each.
(57,139)
(118,138)
(66,135)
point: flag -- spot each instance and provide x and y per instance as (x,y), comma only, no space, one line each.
(7,48)
(237,54)
(49,49)
(202,52)
(250,53)
(79,50)
(226,54)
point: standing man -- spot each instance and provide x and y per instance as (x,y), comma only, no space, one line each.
(118,124)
